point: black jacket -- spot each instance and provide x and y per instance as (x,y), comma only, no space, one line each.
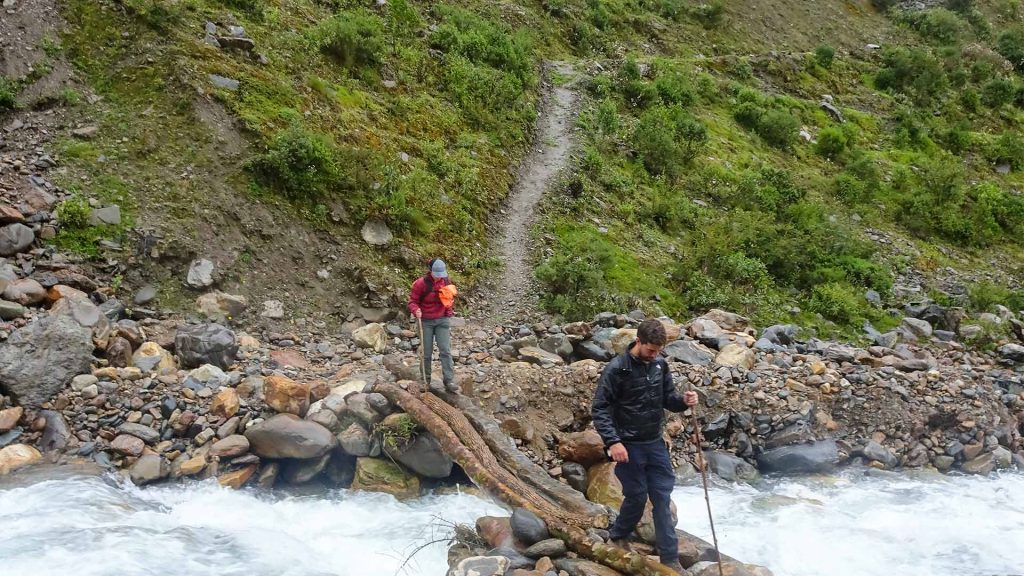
(631,399)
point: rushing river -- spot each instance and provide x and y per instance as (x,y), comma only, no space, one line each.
(57,524)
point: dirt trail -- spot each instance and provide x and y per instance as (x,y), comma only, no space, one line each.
(515,294)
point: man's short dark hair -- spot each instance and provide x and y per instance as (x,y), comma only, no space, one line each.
(652,332)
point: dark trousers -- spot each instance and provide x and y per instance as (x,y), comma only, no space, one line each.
(648,474)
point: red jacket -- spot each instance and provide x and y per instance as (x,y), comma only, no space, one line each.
(428,301)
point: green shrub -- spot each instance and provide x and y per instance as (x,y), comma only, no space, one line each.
(913,72)
(1011,45)
(739,269)
(673,213)
(354,39)
(985,295)
(960,6)
(956,139)
(301,165)
(1008,148)
(8,92)
(484,42)
(849,189)
(748,115)
(574,278)
(608,117)
(674,88)
(73,213)
(634,89)
(937,25)
(769,189)
(970,100)
(157,14)
(710,14)
(998,92)
(832,142)
(823,55)
(485,94)
(779,128)
(672,9)
(667,138)
(840,303)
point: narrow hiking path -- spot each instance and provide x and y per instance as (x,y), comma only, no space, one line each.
(514,295)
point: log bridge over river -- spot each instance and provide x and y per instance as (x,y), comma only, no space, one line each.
(473,439)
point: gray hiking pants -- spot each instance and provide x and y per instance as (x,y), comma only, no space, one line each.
(438,330)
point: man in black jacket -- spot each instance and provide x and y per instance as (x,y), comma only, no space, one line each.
(629,413)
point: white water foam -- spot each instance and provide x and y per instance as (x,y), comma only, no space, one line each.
(866,526)
(87,526)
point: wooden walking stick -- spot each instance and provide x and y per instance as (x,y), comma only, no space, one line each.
(423,356)
(699,440)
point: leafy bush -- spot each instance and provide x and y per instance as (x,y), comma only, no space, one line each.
(970,100)
(667,138)
(636,91)
(73,213)
(157,14)
(998,92)
(956,139)
(354,39)
(769,189)
(574,278)
(608,117)
(1008,148)
(671,212)
(748,115)
(300,164)
(985,295)
(849,189)
(913,72)
(937,25)
(484,42)
(710,14)
(823,55)
(8,92)
(1011,45)
(674,88)
(779,128)
(832,142)
(838,302)
(486,95)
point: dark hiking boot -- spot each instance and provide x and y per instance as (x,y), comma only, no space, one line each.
(675,566)
(621,543)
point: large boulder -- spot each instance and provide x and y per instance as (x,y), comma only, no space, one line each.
(540,357)
(15,238)
(585,448)
(200,344)
(151,357)
(288,436)
(781,334)
(914,329)
(148,469)
(730,467)
(527,527)
(590,350)
(38,360)
(736,355)
(559,344)
(385,476)
(878,453)
(303,471)
(622,339)
(728,320)
(981,465)
(17,456)
(423,455)
(355,440)
(286,395)
(818,457)
(25,291)
(689,352)
(372,336)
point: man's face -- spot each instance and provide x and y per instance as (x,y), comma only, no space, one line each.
(647,352)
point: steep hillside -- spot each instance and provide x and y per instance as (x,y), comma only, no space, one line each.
(265,135)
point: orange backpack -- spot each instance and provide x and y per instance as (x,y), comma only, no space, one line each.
(447,295)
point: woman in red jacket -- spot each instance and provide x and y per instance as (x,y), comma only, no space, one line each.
(425,303)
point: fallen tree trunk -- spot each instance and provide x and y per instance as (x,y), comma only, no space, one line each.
(450,429)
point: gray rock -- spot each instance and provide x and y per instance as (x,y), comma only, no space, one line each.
(540,357)
(205,344)
(200,273)
(148,469)
(558,344)
(144,296)
(878,453)
(223,82)
(482,566)
(303,471)
(107,216)
(11,310)
(423,455)
(552,548)
(1003,458)
(56,433)
(273,309)
(527,527)
(591,350)
(815,458)
(376,233)
(796,433)
(25,291)
(943,463)
(576,475)
(981,465)
(355,441)
(1012,352)
(144,433)
(288,436)
(781,334)
(9,437)
(730,467)
(689,352)
(15,238)
(38,360)
(916,329)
